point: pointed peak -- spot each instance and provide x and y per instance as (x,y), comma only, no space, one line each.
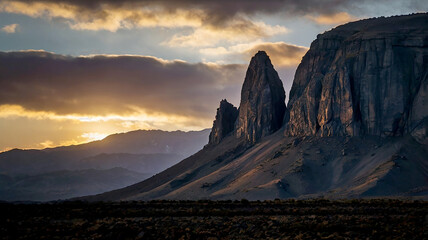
(225,104)
(224,122)
(261,53)
(262,106)
(224,101)
(261,57)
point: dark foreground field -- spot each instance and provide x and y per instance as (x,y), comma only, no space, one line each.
(313,219)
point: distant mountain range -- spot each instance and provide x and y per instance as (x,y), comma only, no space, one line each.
(116,161)
(65,184)
(356,125)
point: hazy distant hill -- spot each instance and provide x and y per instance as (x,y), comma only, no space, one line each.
(66,184)
(142,142)
(138,155)
(143,145)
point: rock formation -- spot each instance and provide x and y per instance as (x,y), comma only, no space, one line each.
(224,122)
(363,78)
(262,106)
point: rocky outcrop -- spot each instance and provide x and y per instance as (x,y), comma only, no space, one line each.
(262,106)
(363,78)
(224,122)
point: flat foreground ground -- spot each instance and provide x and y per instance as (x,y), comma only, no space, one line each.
(286,219)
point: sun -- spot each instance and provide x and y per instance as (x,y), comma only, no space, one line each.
(94,136)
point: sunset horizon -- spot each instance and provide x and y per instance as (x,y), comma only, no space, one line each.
(74,71)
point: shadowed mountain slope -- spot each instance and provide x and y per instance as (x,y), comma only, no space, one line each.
(114,162)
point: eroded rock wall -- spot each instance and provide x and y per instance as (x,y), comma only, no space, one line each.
(363,78)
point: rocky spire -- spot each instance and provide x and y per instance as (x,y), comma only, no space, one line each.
(262,106)
(224,121)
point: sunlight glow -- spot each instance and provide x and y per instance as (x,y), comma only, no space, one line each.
(139,116)
(332,19)
(73,129)
(94,136)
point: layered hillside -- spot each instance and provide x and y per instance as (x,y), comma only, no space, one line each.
(114,162)
(355,126)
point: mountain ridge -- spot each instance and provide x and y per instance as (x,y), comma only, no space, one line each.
(140,154)
(342,135)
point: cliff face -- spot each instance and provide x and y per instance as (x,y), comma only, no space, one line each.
(363,78)
(224,122)
(262,106)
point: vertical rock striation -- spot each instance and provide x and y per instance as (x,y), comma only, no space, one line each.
(224,122)
(363,78)
(262,106)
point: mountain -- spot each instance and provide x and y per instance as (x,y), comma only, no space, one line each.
(224,122)
(66,184)
(355,126)
(143,142)
(145,145)
(116,161)
(262,106)
(363,78)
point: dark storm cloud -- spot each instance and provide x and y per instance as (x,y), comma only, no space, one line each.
(221,17)
(100,85)
(228,7)
(219,11)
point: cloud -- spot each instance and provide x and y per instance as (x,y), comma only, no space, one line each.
(120,14)
(208,24)
(46,144)
(333,19)
(282,54)
(199,23)
(113,86)
(285,57)
(218,12)
(105,16)
(241,30)
(93,136)
(112,14)
(12,28)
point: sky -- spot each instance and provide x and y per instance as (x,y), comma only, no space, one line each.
(73,71)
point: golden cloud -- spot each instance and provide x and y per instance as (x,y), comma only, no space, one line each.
(241,30)
(139,119)
(282,54)
(47,144)
(106,17)
(332,19)
(208,30)
(104,85)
